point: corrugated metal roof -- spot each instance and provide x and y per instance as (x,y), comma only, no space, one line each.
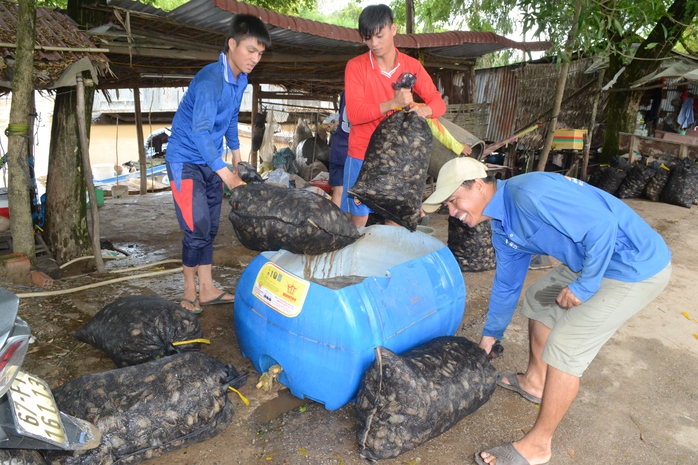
(306,56)
(452,39)
(53,30)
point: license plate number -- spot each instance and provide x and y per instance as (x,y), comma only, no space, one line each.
(36,413)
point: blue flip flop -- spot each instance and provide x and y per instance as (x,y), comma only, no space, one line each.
(219,300)
(193,302)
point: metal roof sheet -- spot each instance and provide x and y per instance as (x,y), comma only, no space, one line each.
(307,56)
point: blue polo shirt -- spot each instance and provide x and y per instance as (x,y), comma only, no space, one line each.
(587,229)
(208,111)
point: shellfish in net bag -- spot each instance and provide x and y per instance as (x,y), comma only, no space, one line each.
(140,328)
(405,400)
(394,173)
(268,217)
(146,410)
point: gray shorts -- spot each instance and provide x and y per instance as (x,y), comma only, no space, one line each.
(578,333)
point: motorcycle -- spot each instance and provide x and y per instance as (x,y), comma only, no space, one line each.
(29,416)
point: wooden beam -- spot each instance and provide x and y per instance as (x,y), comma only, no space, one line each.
(287,96)
(158,51)
(146,51)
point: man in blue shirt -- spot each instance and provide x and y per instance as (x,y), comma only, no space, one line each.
(613,265)
(208,112)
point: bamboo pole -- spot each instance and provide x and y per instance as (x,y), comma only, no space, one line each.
(590,131)
(139,136)
(87,171)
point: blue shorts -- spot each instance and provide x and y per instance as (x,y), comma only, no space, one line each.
(352,167)
(198,194)
(336,174)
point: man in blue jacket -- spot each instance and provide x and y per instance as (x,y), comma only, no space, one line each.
(208,112)
(613,265)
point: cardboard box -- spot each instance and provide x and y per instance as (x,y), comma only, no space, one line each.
(568,139)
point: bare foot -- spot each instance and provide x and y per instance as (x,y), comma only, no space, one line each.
(191,305)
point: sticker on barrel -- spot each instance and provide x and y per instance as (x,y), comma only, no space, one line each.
(282,291)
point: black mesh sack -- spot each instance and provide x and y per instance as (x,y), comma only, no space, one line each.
(146,410)
(655,186)
(140,328)
(267,217)
(682,187)
(609,178)
(635,182)
(21,457)
(472,247)
(394,173)
(405,400)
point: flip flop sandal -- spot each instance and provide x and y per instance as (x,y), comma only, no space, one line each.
(193,304)
(514,386)
(506,454)
(219,300)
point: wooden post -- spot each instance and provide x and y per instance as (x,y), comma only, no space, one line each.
(87,170)
(139,137)
(592,122)
(632,146)
(409,16)
(255,110)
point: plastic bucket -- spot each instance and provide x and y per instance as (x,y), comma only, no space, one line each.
(99,195)
(401,290)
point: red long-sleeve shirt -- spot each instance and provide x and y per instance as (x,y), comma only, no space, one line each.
(366,87)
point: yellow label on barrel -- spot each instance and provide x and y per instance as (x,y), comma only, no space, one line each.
(280,290)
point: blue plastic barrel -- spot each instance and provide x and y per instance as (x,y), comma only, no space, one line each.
(409,289)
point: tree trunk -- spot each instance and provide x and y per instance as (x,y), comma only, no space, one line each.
(623,103)
(560,88)
(66,232)
(19,137)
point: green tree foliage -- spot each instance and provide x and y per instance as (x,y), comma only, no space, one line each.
(347,16)
(474,15)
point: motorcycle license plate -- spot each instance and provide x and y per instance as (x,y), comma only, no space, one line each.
(35,412)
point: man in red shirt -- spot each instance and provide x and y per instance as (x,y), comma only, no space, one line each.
(368,81)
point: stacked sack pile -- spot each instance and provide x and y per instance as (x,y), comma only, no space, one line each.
(663,180)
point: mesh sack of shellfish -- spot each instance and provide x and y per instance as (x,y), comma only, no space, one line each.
(609,178)
(394,173)
(405,400)
(655,186)
(146,410)
(267,217)
(21,457)
(472,247)
(682,186)
(635,182)
(140,328)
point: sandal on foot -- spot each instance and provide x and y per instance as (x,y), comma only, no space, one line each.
(193,303)
(514,385)
(506,454)
(219,300)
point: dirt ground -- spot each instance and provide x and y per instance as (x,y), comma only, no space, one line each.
(637,405)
